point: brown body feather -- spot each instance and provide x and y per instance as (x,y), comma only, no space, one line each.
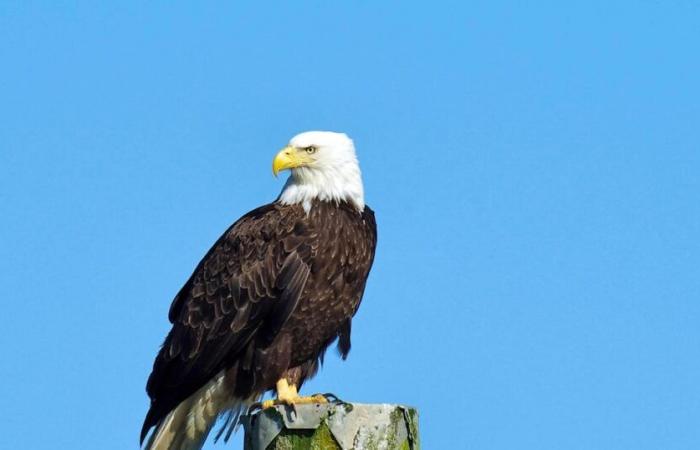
(266,301)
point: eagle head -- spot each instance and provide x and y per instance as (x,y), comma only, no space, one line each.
(323,167)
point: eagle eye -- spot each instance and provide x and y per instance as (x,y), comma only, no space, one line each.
(310,150)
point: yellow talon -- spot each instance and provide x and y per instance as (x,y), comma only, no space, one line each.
(268,404)
(312,399)
(288,395)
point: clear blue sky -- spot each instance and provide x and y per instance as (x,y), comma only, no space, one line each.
(535,171)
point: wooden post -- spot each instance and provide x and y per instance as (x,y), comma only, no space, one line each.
(342,426)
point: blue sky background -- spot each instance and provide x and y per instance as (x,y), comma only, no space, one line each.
(534,170)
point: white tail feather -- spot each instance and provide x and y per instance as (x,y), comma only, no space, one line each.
(188,425)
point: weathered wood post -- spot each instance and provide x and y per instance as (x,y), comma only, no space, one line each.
(340,426)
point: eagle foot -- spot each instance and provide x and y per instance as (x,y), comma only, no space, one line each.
(288,395)
(293,401)
(333,399)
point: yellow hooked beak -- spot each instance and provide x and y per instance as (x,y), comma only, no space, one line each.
(288,158)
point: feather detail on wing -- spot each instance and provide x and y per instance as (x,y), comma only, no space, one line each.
(247,285)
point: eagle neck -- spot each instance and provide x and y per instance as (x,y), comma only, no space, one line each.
(305,185)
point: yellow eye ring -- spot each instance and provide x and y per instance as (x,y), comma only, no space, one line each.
(310,150)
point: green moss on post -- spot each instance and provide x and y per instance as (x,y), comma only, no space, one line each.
(318,439)
(333,427)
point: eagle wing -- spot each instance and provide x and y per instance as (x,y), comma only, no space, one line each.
(247,285)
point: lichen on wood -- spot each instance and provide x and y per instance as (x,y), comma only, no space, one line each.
(342,426)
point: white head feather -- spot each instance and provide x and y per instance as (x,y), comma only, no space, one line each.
(331,174)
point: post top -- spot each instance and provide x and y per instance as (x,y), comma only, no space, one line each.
(351,425)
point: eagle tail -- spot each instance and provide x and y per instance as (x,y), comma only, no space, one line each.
(187,426)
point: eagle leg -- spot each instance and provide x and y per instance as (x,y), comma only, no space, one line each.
(287,394)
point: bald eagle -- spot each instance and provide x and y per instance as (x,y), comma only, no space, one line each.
(263,305)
